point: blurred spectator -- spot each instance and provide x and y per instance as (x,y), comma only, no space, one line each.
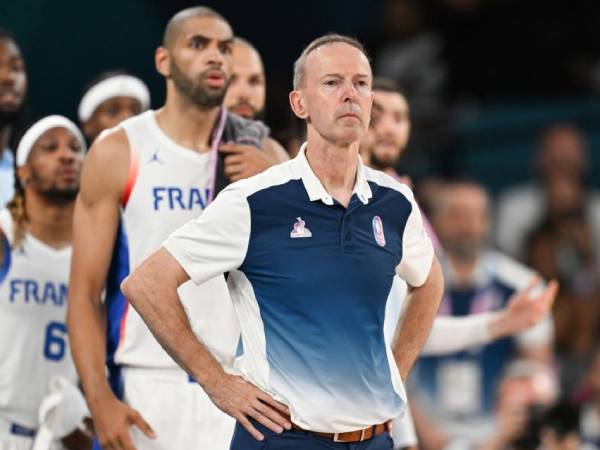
(458,391)
(410,53)
(562,247)
(561,155)
(525,394)
(13,87)
(560,429)
(247,89)
(110,98)
(589,419)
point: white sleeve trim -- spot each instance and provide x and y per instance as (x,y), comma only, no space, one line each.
(417,249)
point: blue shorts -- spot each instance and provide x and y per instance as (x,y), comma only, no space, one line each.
(301,440)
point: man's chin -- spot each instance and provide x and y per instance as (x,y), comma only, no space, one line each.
(385,162)
(244,111)
(62,194)
(9,116)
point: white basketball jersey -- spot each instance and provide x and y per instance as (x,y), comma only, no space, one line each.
(33,335)
(168,186)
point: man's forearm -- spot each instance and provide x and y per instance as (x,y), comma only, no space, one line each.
(154,296)
(87,337)
(466,332)
(416,321)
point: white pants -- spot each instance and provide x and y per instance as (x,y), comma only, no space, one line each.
(11,442)
(179,411)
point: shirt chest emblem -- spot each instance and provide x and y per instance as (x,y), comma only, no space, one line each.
(378,231)
(300,230)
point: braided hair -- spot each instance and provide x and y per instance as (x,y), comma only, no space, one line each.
(16,207)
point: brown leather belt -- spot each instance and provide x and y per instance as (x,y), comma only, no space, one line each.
(350,436)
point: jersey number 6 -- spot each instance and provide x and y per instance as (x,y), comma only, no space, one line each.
(54,346)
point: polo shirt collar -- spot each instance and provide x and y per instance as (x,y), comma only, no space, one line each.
(315,188)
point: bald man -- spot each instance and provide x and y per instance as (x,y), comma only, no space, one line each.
(246,93)
(142,180)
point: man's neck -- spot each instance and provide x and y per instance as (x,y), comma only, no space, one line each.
(4,137)
(335,166)
(463,268)
(186,123)
(391,172)
(50,222)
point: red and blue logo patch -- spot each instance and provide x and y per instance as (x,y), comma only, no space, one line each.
(378,231)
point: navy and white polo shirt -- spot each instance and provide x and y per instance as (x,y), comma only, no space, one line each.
(309,280)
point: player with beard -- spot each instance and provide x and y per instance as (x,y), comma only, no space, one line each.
(13,86)
(390,128)
(35,254)
(246,93)
(141,181)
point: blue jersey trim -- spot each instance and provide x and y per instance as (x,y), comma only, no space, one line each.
(116,305)
(7,260)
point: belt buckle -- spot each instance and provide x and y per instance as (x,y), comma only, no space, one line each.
(336,436)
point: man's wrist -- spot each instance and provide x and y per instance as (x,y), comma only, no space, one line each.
(498,326)
(209,376)
(99,395)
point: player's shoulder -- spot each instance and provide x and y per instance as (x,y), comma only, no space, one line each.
(110,143)
(106,165)
(382,179)
(142,118)
(508,271)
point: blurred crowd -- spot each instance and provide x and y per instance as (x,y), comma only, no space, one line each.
(539,389)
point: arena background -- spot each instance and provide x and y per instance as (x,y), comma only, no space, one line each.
(498,71)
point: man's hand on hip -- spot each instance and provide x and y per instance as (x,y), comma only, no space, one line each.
(242,400)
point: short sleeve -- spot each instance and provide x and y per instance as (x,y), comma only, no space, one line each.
(417,250)
(217,241)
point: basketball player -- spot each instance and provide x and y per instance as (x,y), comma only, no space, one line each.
(35,254)
(13,87)
(247,90)
(142,180)
(109,99)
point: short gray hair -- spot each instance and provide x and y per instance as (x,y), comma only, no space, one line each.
(327,39)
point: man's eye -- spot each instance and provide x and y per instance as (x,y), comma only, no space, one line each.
(331,82)
(196,43)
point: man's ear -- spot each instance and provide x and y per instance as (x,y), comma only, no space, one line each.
(298,104)
(23,175)
(87,127)
(162,61)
